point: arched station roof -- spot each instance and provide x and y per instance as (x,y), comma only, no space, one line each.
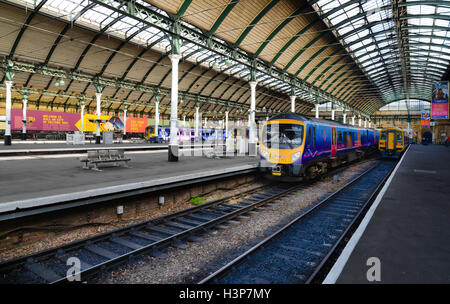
(358,54)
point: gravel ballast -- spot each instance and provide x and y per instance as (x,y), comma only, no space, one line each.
(199,259)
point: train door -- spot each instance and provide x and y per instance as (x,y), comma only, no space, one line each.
(359,139)
(391,141)
(333,142)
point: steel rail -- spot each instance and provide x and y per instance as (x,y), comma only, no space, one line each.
(243,258)
(152,247)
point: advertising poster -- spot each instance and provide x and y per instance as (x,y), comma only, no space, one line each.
(136,125)
(44,120)
(62,121)
(439,100)
(425,121)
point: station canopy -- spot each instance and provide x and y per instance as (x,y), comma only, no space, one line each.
(360,55)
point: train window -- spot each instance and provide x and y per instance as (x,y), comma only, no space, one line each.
(339,137)
(383,135)
(285,136)
(399,136)
(345,138)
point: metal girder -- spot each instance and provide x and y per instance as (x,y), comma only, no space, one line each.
(121,45)
(300,52)
(255,20)
(278,29)
(335,81)
(201,75)
(93,40)
(322,62)
(416,67)
(308,61)
(148,15)
(376,78)
(411,43)
(183,8)
(25,26)
(332,74)
(414,56)
(231,85)
(23,67)
(370,25)
(214,77)
(222,16)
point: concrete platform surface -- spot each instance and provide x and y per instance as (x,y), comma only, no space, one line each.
(57,147)
(410,229)
(31,180)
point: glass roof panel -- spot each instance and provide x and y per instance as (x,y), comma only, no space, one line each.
(385,50)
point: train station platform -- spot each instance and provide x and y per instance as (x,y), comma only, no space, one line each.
(62,147)
(407,228)
(30,182)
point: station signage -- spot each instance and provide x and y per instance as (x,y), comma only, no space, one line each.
(439,100)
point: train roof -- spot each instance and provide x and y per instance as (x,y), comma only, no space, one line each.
(314,120)
(393,127)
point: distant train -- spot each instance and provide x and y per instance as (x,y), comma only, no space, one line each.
(292,145)
(188,134)
(393,142)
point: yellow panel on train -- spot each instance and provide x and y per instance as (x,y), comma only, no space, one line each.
(393,142)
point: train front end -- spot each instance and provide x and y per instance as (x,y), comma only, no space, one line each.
(391,143)
(281,147)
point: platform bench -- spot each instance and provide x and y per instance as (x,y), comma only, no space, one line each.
(96,157)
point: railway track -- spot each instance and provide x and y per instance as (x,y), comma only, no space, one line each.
(297,252)
(105,251)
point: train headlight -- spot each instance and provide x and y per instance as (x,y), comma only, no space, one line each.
(265,154)
(295,157)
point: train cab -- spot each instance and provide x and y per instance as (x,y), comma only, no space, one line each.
(392,142)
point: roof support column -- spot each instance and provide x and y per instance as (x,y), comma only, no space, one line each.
(125,110)
(292,99)
(293,104)
(365,123)
(9,75)
(197,119)
(252,123)
(359,121)
(226,122)
(24,116)
(317,110)
(344,117)
(8,85)
(353,120)
(332,111)
(173,144)
(98,95)
(82,114)
(157,117)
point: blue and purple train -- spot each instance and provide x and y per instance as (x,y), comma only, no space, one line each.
(293,145)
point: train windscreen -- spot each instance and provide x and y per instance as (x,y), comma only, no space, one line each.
(282,136)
